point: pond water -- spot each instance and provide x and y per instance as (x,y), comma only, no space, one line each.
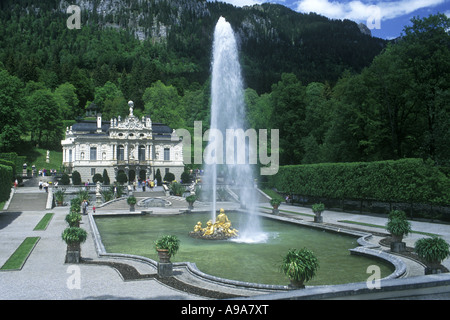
(251,262)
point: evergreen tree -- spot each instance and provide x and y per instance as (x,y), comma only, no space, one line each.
(76,178)
(158,177)
(106,180)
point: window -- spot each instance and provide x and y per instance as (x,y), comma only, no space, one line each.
(166,154)
(93,153)
(120,153)
(92,171)
(141,153)
(70,155)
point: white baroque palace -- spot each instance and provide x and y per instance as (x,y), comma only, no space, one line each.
(136,146)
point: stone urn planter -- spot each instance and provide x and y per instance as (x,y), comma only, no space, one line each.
(275,203)
(190,200)
(166,247)
(73,219)
(59,197)
(397,245)
(398,226)
(299,266)
(74,237)
(318,208)
(432,250)
(131,202)
(163,255)
(73,253)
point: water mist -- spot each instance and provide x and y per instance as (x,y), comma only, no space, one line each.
(228,112)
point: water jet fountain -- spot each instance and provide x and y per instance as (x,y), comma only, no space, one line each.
(227,115)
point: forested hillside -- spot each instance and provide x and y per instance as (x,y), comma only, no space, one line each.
(335,93)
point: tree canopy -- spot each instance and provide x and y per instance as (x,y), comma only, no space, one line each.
(335,94)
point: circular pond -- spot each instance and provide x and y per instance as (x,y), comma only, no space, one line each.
(250,262)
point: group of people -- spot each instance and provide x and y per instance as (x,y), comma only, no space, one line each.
(44,172)
(43,185)
(145,184)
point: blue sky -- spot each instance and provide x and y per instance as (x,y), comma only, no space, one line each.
(386,19)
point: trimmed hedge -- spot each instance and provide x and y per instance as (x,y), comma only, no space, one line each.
(6,175)
(10,164)
(14,158)
(406,180)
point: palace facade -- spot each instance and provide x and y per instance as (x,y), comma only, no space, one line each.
(135,146)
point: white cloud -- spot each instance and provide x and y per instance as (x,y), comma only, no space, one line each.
(359,11)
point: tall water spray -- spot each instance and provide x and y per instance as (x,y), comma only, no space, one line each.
(228,113)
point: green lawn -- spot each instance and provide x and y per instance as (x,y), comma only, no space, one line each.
(272,194)
(39,159)
(18,258)
(287,211)
(42,225)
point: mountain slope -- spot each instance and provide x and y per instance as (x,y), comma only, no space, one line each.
(169,39)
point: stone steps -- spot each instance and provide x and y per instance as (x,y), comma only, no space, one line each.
(28,201)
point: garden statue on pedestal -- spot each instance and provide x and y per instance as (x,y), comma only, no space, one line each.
(98,194)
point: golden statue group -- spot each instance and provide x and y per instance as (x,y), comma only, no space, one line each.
(219,230)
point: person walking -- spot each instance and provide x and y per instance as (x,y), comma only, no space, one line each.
(84,206)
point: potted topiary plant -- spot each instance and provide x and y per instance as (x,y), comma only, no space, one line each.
(299,266)
(433,250)
(74,237)
(132,202)
(398,226)
(75,204)
(59,197)
(318,208)
(275,203)
(191,199)
(167,246)
(73,219)
(176,188)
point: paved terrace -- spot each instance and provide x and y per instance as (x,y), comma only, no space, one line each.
(46,276)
